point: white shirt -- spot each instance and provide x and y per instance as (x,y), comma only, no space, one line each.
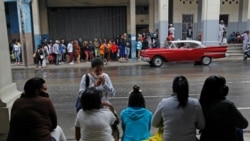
(107,89)
(70,47)
(16,47)
(95,124)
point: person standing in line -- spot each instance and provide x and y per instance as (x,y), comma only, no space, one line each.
(139,48)
(38,56)
(77,51)
(97,47)
(103,47)
(56,52)
(70,51)
(91,50)
(136,119)
(127,45)
(224,122)
(179,115)
(45,55)
(85,49)
(114,50)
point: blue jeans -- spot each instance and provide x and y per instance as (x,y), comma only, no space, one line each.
(17,56)
(127,51)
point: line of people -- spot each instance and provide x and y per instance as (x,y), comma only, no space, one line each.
(33,116)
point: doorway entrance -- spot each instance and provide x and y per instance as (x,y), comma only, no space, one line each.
(187,20)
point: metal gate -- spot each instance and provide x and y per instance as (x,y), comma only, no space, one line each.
(187,20)
(86,22)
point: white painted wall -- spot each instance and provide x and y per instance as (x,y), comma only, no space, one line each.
(180,9)
(232,10)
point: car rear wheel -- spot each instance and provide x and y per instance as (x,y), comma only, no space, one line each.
(157,61)
(206,60)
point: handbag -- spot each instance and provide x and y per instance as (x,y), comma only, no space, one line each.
(78,104)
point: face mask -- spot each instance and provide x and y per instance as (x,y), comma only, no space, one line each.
(225,91)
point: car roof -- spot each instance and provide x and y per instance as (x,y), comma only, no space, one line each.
(186,41)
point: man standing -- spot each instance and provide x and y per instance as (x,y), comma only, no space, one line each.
(221,30)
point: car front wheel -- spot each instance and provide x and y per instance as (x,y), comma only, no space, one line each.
(157,61)
(206,60)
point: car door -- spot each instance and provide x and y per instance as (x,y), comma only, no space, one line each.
(195,51)
(178,53)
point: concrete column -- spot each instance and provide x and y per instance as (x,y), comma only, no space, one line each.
(199,23)
(210,21)
(44,25)
(36,22)
(240,15)
(8,91)
(133,29)
(24,14)
(163,21)
(248,16)
(151,16)
(128,19)
(156,14)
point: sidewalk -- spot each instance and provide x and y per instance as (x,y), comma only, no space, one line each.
(80,65)
(110,64)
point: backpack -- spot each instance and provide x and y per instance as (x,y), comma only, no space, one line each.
(78,104)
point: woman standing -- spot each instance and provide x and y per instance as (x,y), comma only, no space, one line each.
(178,114)
(39,56)
(139,47)
(17,51)
(77,51)
(222,116)
(136,119)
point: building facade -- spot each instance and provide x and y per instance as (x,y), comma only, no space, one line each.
(34,20)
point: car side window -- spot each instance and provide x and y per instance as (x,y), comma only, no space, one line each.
(193,45)
(172,45)
(181,45)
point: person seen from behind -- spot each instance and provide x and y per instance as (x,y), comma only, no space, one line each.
(224,122)
(33,116)
(179,115)
(136,119)
(93,123)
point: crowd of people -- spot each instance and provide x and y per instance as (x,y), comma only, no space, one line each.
(79,50)
(33,116)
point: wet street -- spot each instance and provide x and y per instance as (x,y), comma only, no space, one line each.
(156,83)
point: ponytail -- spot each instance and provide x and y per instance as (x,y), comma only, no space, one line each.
(180,87)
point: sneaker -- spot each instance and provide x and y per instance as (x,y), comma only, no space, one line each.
(71,63)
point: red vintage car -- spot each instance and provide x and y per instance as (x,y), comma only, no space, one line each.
(184,51)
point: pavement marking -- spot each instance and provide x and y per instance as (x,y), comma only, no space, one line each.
(244,108)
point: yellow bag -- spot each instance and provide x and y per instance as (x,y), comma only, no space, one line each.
(12,56)
(157,136)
